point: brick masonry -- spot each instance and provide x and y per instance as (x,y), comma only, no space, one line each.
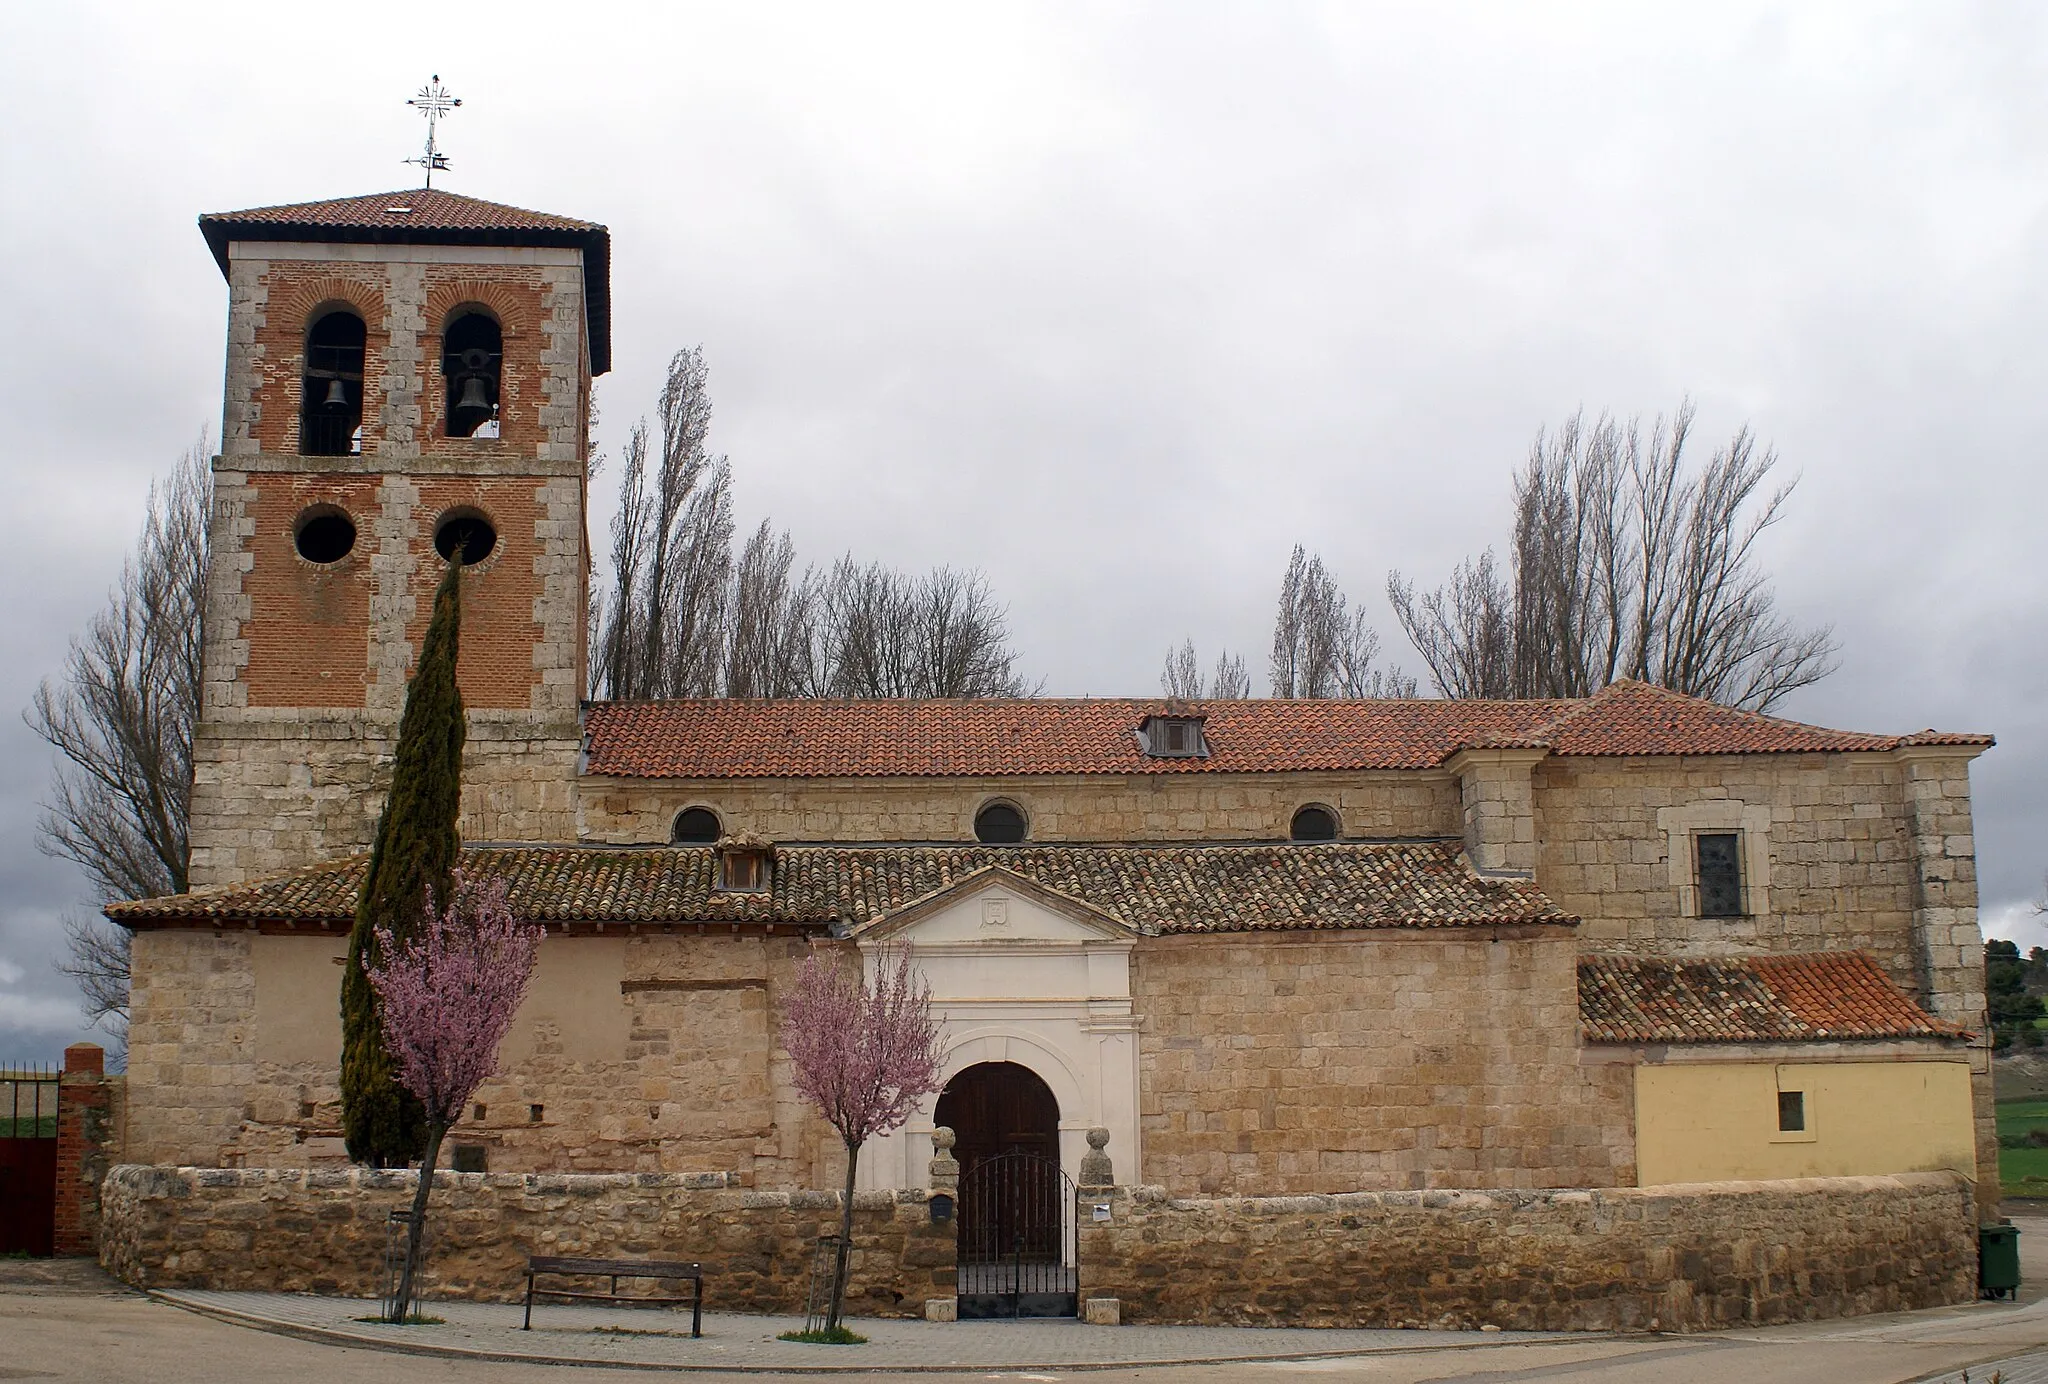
(305,664)
(88,1109)
(278,1230)
(1669,1258)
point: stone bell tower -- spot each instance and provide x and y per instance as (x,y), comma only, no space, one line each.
(407,373)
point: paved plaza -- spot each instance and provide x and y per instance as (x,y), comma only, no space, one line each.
(65,1320)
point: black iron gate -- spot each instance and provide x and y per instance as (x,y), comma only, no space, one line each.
(1016,1239)
(28,1161)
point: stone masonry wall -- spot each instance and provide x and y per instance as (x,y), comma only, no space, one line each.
(1671,1258)
(1839,872)
(650,1053)
(1219,807)
(278,790)
(1871,851)
(1299,1062)
(277,1230)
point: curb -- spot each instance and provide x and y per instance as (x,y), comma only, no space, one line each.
(336,1336)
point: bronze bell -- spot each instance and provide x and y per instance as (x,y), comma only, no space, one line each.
(337,394)
(472,408)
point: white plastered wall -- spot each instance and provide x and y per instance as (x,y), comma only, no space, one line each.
(1016,976)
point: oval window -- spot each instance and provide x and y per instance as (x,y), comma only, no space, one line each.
(695,826)
(1313,824)
(324,536)
(999,824)
(472,533)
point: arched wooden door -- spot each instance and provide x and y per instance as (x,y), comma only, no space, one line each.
(1016,1231)
(998,1108)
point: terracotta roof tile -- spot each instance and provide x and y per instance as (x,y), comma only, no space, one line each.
(1167,889)
(1750,999)
(425,209)
(738,738)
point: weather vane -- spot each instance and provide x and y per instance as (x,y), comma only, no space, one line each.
(433,102)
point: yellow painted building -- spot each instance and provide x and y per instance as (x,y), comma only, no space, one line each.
(1754,1120)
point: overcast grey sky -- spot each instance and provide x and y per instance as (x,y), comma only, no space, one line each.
(1117,302)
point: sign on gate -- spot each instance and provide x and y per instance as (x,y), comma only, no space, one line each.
(28,1161)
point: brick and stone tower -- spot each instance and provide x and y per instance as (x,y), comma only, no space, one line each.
(406,373)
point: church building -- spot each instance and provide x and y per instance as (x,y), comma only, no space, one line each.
(1270,947)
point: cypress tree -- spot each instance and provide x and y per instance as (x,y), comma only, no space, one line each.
(414,852)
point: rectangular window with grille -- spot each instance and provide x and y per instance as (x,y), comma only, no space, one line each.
(1719,860)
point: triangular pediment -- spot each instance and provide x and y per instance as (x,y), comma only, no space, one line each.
(994,906)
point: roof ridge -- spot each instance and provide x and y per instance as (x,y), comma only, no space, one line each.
(398,195)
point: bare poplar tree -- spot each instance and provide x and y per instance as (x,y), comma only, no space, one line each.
(121,716)
(1229,682)
(1182,676)
(768,650)
(679,618)
(663,628)
(878,632)
(1321,648)
(1625,564)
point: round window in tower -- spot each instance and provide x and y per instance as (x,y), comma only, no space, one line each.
(324,535)
(999,824)
(1313,824)
(469,532)
(696,826)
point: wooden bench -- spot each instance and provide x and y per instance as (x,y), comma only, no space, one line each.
(616,1269)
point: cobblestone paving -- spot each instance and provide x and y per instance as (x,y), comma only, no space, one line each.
(661,1337)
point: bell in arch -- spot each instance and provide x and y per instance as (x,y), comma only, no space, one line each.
(337,395)
(472,407)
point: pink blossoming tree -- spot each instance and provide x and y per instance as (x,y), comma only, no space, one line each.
(447,995)
(865,1053)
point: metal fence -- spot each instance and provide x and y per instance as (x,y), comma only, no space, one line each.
(28,1160)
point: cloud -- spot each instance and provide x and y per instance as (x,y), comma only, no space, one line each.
(2017,920)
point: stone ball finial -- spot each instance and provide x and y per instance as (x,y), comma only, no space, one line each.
(945,1169)
(1095,1167)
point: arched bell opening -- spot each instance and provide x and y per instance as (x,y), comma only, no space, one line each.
(472,360)
(331,387)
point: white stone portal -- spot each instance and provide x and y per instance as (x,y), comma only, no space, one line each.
(1020,973)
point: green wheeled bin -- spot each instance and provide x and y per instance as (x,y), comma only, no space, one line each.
(1998,1260)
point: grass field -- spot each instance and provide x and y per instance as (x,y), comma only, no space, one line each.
(25,1128)
(2023,1171)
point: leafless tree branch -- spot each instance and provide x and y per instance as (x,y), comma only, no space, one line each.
(121,717)
(1625,564)
(1321,648)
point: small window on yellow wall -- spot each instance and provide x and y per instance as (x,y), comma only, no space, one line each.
(1791,1112)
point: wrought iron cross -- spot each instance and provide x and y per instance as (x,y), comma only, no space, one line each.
(433,102)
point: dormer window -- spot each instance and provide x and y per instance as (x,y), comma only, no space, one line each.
(1172,737)
(745,864)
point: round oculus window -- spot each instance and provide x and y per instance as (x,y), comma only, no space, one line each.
(999,824)
(1314,824)
(471,534)
(324,536)
(695,826)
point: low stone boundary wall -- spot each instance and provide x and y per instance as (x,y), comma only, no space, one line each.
(1675,1258)
(322,1231)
